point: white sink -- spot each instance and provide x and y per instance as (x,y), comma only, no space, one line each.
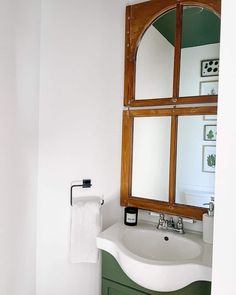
(155,259)
(160,245)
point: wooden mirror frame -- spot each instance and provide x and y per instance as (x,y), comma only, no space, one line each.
(138,18)
(127,154)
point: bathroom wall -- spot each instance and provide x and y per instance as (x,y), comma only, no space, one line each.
(152,154)
(19,59)
(224,256)
(194,186)
(81,97)
(155,65)
(190,74)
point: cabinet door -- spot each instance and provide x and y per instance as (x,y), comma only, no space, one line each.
(112,288)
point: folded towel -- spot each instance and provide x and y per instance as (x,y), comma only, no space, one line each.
(85,226)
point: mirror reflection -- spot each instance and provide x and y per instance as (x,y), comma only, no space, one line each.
(196,159)
(199,67)
(151,157)
(199,52)
(155,59)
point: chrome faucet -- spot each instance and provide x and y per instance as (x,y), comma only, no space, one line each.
(169,224)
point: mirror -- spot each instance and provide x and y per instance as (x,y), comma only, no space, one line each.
(168,159)
(171,58)
(151,157)
(200,48)
(172,52)
(155,59)
(196,158)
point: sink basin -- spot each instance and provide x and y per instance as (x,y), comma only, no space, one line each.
(155,259)
(160,246)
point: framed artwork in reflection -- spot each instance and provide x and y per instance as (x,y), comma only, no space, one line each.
(208,158)
(208,87)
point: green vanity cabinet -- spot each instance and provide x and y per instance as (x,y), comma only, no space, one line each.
(116,282)
(113,288)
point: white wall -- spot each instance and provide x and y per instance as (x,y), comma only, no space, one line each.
(8,153)
(191,180)
(190,70)
(19,59)
(82,53)
(155,66)
(151,158)
(224,255)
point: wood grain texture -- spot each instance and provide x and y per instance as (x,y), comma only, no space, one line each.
(210,110)
(129,86)
(173,159)
(177,58)
(174,101)
(126,159)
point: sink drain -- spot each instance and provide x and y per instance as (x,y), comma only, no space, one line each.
(166,238)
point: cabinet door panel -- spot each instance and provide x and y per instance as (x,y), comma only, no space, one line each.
(112,288)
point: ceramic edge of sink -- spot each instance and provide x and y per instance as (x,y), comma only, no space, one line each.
(158,276)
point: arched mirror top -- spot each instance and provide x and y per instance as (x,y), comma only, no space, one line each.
(207,9)
(151,22)
(139,19)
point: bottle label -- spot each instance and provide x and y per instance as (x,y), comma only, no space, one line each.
(131,218)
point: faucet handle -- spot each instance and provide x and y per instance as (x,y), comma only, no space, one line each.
(161,222)
(180,225)
(162,216)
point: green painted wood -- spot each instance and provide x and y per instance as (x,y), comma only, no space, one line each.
(112,288)
(200,26)
(111,271)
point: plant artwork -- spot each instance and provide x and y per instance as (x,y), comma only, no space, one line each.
(209,158)
(210,132)
(210,135)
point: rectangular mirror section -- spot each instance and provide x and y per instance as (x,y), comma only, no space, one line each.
(168,159)
(155,59)
(151,157)
(196,158)
(200,48)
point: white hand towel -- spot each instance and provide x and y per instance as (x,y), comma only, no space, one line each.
(85,226)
